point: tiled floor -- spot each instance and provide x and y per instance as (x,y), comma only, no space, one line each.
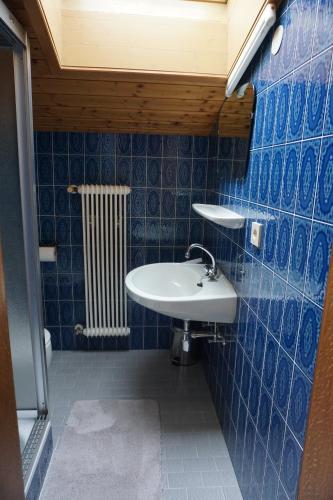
(195,459)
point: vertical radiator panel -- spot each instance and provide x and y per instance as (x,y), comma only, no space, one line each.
(104,224)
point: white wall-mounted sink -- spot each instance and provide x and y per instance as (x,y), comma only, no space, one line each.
(220,215)
(172,289)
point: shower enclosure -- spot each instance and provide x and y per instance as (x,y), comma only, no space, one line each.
(19,241)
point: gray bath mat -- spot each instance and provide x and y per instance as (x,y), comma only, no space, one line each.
(110,450)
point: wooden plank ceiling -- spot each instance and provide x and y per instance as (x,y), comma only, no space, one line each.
(75,99)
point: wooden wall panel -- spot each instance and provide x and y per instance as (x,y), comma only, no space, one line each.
(113,100)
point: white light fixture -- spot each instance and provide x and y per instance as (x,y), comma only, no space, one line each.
(277,40)
(264,24)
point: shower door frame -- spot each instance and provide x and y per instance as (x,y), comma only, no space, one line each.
(19,42)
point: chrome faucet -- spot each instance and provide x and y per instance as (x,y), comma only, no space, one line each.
(211,269)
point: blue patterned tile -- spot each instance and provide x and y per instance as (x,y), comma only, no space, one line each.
(328,126)
(264,176)
(66,313)
(138,172)
(64,257)
(282,112)
(318,84)
(68,340)
(307,177)
(291,320)
(138,202)
(289,182)
(124,144)
(282,383)
(226,148)
(60,142)
(250,334)
(283,244)
(185,146)
(154,145)
(50,287)
(136,338)
(297,103)
(62,200)
(199,174)
(299,252)
(196,230)
(153,232)
(254,169)
(92,170)
(299,404)
(323,32)
(76,142)
(44,142)
(254,399)
(276,176)
(169,173)
(153,172)
(183,203)
(270,363)
(200,147)
(76,169)
(170,146)
(79,313)
(181,234)
(46,200)
(75,205)
(78,286)
(270,236)
(45,169)
(270,114)
(63,233)
(276,435)
(168,206)
(108,170)
(276,307)
(123,171)
(153,202)
(265,405)
(137,231)
(47,230)
(308,338)
(319,260)
(259,121)
(259,348)
(305,32)
(77,259)
(65,286)
(92,143)
(265,295)
(290,464)
(324,197)
(139,145)
(51,313)
(108,144)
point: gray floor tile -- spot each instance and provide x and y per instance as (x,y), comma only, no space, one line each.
(175,494)
(232,493)
(195,459)
(184,479)
(205,494)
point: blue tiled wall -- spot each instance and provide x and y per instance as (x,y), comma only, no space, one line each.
(262,382)
(167,174)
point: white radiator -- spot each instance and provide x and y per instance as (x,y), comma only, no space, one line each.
(105,259)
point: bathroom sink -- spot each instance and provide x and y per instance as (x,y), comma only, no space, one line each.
(181,290)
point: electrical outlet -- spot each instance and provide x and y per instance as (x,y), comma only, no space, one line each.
(256,230)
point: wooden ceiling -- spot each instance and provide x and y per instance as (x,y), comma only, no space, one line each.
(75,99)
